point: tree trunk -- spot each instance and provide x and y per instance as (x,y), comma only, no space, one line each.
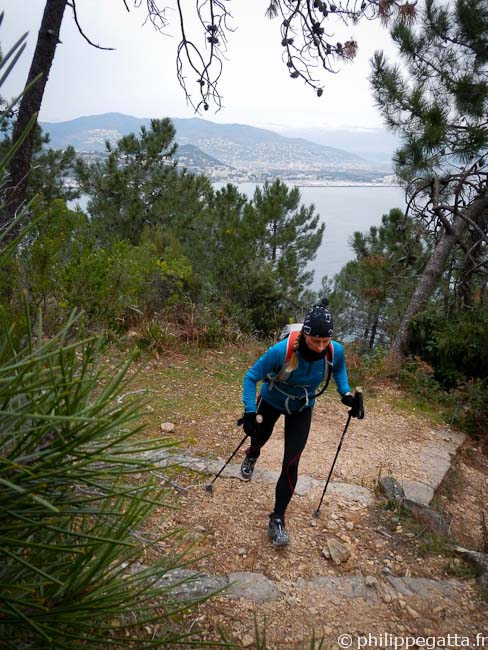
(468,288)
(374,330)
(432,272)
(30,105)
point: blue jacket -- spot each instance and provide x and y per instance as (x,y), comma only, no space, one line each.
(302,382)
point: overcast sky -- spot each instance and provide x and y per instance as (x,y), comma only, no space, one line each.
(139,77)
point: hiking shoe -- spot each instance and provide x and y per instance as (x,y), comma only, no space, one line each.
(277,532)
(247,467)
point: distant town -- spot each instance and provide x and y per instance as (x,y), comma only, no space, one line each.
(232,153)
(263,171)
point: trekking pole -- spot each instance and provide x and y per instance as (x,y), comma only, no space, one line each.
(209,486)
(358,400)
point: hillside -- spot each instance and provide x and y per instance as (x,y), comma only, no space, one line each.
(250,152)
(396,577)
(377,145)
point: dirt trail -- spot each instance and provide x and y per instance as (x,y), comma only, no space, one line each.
(228,531)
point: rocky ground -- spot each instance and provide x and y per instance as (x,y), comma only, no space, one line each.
(392,576)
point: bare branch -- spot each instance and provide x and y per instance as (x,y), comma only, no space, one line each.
(308,47)
(80,29)
(155,15)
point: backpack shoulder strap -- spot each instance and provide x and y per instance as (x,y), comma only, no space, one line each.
(329,362)
(329,353)
(283,374)
(290,343)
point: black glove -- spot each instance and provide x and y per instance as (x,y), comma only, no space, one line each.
(348,400)
(249,424)
(355,403)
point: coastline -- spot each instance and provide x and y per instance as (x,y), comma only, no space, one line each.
(347,185)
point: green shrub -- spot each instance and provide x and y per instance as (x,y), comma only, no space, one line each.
(49,248)
(456,347)
(106,283)
(417,377)
(470,409)
(366,367)
(63,266)
(205,326)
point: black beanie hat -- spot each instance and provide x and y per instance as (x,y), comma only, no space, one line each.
(318,321)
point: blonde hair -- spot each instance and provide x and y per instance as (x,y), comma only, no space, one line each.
(293,363)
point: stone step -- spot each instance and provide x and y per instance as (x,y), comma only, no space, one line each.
(185,584)
(305,484)
(434,461)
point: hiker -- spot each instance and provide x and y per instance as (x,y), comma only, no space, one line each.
(289,387)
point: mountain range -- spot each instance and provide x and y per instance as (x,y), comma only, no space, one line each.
(238,151)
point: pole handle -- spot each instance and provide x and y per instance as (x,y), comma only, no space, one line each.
(358,405)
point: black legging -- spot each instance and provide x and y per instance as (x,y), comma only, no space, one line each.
(297,427)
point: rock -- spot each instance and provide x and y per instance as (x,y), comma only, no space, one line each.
(411,612)
(247,640)
(426,515)
(254,586)
(304,485)
(483,580)
(184,584)
(351,492)
(391,488)
(326,553)
(167,427)
(371,581)
(338,552)
(335,588)
(418,491)
(473,557)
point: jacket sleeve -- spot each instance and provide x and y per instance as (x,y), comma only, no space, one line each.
(339,370)
(270,362)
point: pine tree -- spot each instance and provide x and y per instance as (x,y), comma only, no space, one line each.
(437,101)
(292,236)
(371,292)
(138,186)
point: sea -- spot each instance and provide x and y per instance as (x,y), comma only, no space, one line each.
(344,210)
